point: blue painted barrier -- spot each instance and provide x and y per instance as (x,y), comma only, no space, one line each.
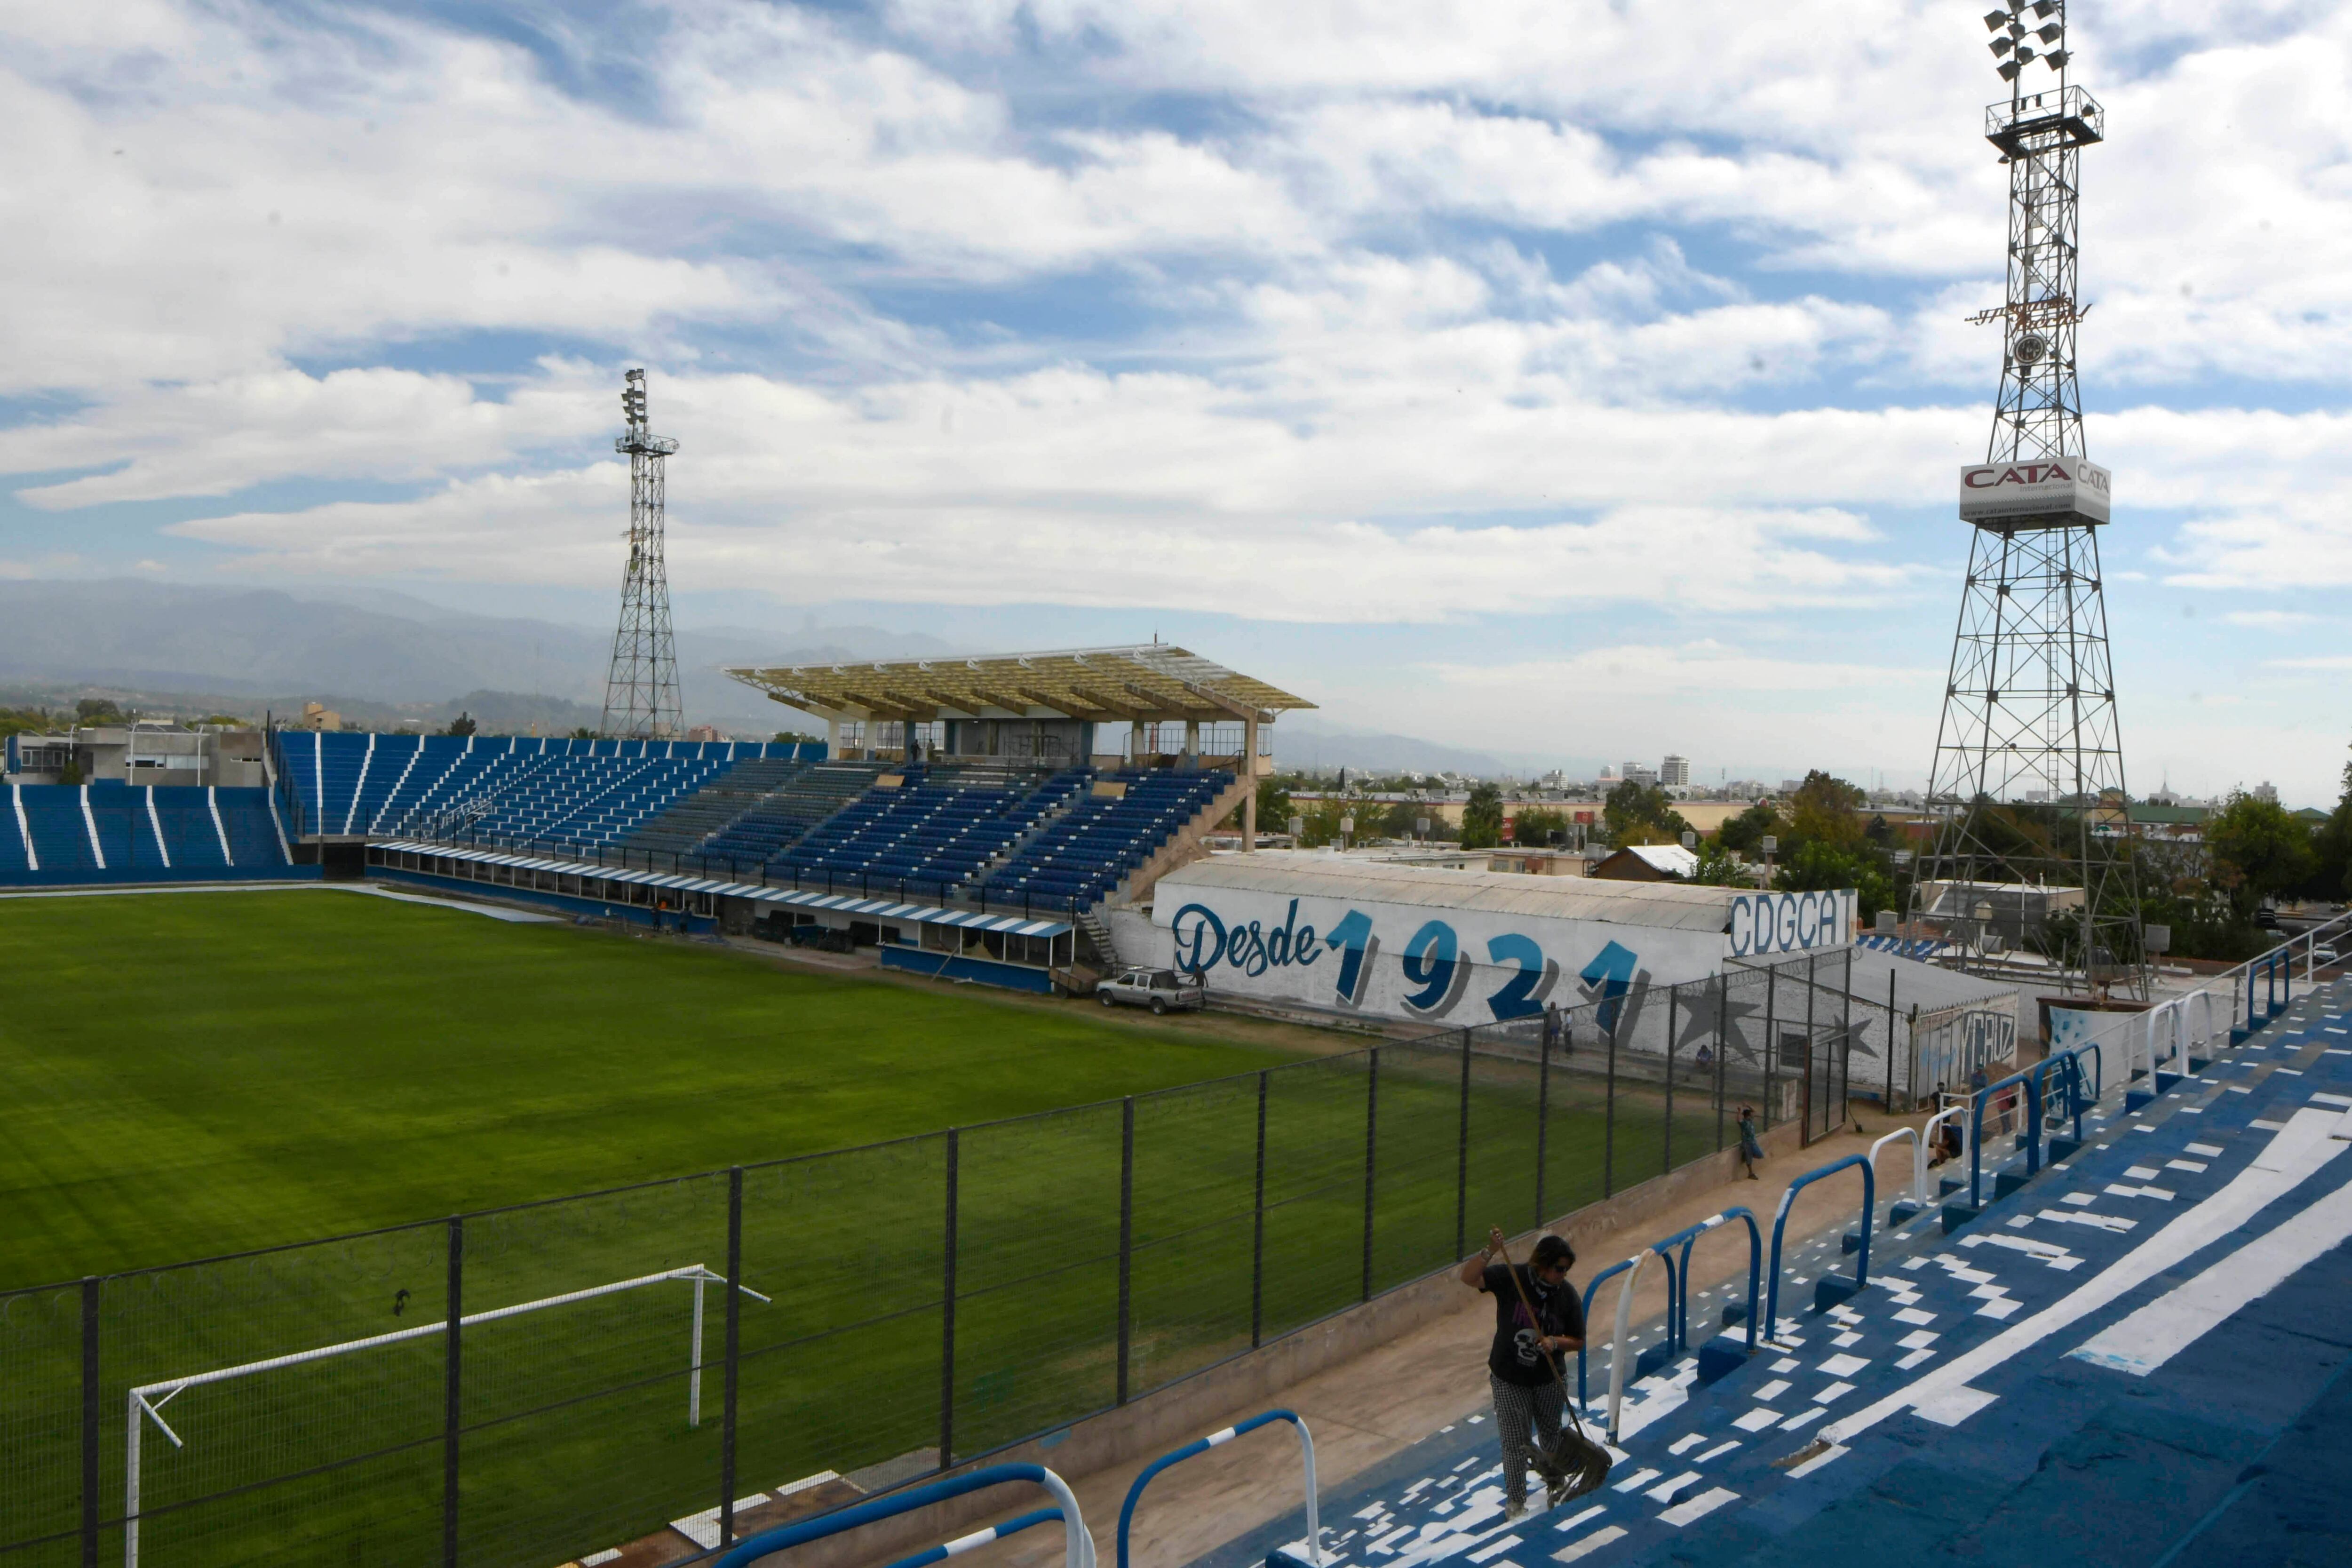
(1976,1131)
(963,1544)
(1780,1225)
(2069,1083)
(1610,1273)
(1080,1553)
(1199,1445)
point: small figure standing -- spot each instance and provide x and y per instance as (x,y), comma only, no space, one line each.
(1751,1149)
(1537,1317)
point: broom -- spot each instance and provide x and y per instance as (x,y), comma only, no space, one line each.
(1590,1467)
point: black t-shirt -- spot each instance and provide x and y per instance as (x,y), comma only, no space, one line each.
(1514,1357)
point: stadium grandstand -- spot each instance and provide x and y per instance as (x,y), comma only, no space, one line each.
(966,816)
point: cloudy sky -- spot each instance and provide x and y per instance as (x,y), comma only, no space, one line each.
(1568,379)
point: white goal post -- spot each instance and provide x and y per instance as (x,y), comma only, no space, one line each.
(145,1404)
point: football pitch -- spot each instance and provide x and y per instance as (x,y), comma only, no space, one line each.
(189,1074)
(185,1075)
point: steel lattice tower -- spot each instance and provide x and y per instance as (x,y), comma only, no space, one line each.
(641,689)
(2028,769)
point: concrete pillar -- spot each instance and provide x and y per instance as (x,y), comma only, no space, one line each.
(1191,737)
(1137,748)
(833,739)
(1249,777)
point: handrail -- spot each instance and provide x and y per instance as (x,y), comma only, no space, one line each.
(1781,1225)
(1617,1339)
(2071,1081)
(1199,1445)
(1918,1156)
(963,1544)
(1689,1239)
(1080,1552)
(1590,1291)
(1976,1132)
(1950,1113)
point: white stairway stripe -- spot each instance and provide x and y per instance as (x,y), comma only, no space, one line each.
(367,761)
(156,823)
(212,801)
(25,828)
(91,822)
(2180,1317)
(2300,1149)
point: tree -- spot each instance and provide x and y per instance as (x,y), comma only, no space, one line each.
(1482,817)
(92,711)
(1746,831)
(1272,805)
(463,724)
(1642,814)
(1535,828)
(1719,868)
(787,737)
(2331,849)
(2259,850)
(1826,810)
(1818,865)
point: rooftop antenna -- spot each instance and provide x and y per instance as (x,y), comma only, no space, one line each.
(2028,724)
(640,698)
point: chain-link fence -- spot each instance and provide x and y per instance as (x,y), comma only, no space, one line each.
(531,1385)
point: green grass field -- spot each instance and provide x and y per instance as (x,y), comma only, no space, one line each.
(189,1074)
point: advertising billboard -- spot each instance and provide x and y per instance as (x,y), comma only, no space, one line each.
(2045,487)
(1464,965)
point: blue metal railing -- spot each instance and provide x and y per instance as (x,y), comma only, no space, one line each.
(1689,1239)
(2069,1063)
(1677,1287)
(1781,1225)
(1199,1445)
(1080,1552)
(1985,1097)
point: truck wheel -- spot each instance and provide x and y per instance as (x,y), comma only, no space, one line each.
(1106,999)
(1158,1008)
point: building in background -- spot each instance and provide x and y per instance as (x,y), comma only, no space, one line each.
(1674,772)
(149,751)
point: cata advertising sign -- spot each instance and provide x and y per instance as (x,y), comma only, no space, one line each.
(2045,487)
(1767,923)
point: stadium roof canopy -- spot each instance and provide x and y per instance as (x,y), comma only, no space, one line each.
(1148,681)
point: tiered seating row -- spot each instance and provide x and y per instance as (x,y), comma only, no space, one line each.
(759,835)
(53,831)
(1085,855)
(583,792)
(932,831)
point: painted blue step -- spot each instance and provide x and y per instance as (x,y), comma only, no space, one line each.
(1721,1356)
(1832,1290)
(1903,1211)
(1947,1185)
(2137,1098)
(2064,1147)
(2006,1182)
(1957,1215)
(1850,1243)
(2165,1081)
(1654,1360)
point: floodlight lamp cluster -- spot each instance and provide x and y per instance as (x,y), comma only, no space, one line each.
(633,398)
(2014,37)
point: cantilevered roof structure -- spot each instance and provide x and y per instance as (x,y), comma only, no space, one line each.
(1149,681)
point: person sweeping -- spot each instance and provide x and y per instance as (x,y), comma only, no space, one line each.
(1537,1317)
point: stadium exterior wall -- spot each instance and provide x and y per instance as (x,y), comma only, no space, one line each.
(1444,947)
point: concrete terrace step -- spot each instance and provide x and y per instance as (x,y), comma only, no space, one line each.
(2137,1353)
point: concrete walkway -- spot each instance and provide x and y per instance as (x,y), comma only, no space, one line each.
(1369,1410)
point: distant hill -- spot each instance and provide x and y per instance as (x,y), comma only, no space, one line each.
(373,653)
(1319,745)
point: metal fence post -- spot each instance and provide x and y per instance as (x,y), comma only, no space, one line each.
(1126,1234)
(1813,992)
(1890,1044)
(734,1352)
(1371,1139)
(1722,1014)
(452,1409)
(1257,1227)
(91,1409)
(1462,1155)
(1543,1110)
(1771,1041)
(1673,1018)
(947,1319)
(1609,1111)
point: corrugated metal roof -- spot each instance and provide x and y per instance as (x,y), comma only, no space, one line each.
(1931,987)
(1147,680)
(1670,905)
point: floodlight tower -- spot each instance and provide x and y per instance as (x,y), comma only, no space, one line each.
(2029,717)
(641,689)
